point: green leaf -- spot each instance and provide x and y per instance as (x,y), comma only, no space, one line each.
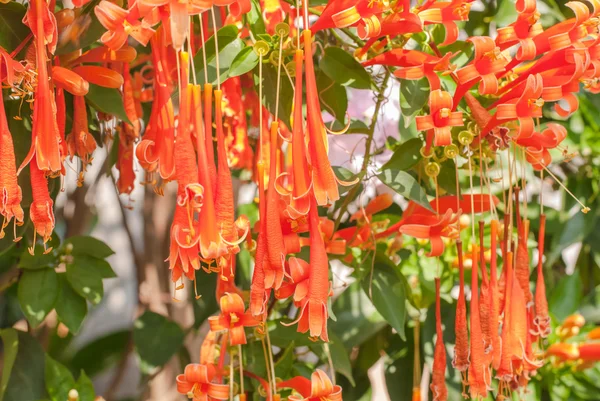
(90,246)
(12,29)
(566,296)
(207,304)
(85,388)
(86,282)
(90,35)
(70,306)
(23,367)
(38,290)
(101,353)
(404,184)
(255,19)
(447,177)
(245,61)
(286,93)
(413,97)
(405,156)
(340,356)
(156,339)
(340,66)
(38,260)
(229,47)
(333,97)
(59,380)
(107,100)
(389,294)
(100,266)
(344,174)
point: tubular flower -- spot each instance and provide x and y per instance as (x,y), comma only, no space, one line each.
(414,65)
(318,388)
(233,318)
(446,13)
(564,351)
(155,151)
(433,228)
(538,145)
(590,352)
(325,183)
(41,211)
(494,313)
(10,191)
(477,374)
(70,81)
(184,248)
(438,375)
(524,109)
(460,361)
(197,383)
(441,119)
(488,61)
(239,152)
(45,137)
(541,322)
(80,142)
(298,283)
(121,24)
(126,181)
(313,312)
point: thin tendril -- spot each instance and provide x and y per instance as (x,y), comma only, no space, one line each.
(278,77)
(542,192)
(214,19)
(241,369)
(193,68)
(472,201)
(203,48)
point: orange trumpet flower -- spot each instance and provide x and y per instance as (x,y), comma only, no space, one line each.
(80,142)
(460,361)
(438,374)
(478,373)
(440,120)
(197,383)
(318,388)
(234,318)
(41,211)
(541,322)
(121,24)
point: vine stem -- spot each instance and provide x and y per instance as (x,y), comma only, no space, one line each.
(369,142)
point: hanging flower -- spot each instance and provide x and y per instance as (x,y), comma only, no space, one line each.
(234,318)
(440,120)
(197,383)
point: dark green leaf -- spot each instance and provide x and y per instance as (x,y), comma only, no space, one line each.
(341,67)
(86,282)
(59,380)
(38,260)
(566,296)
(286,93)
(107,100)
(12,29)
(245,61)
(23,367)
(389,294)
(413,97)
(156,339)
(100,266)
(339,355)
(404,184)
(447,177)
(281,335)
(101,353)
(405,156)
(70,306)
(207,304)
(85,388)
(333,97)
(90,246)
(38,290)
(355,127)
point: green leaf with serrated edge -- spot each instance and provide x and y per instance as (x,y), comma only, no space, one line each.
(389,293)
(59,380)
(405,156)
(70,306)
(413,97)
(38,260)
(343,68)
(86,282)
(156,339)
(243,62)
(86,245)
(85,388)
(38,291)
(23,367)
(107,100)
(12,29)
(404,184)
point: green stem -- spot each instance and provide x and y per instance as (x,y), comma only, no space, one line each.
(369,142)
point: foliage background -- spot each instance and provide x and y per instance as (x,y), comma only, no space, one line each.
(131,351)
